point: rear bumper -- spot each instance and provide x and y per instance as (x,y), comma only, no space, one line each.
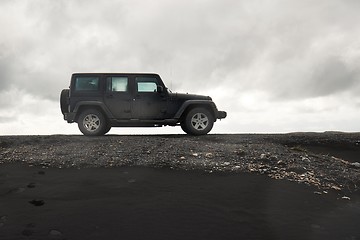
(69,117)
(221,114)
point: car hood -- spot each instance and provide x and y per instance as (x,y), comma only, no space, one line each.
(183,96)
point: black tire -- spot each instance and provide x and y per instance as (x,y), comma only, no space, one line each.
(184,127)
(198,121)
(64,101)
(107,129)
(92,122)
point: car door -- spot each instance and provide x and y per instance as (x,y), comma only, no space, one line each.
(148,103)
(118,96)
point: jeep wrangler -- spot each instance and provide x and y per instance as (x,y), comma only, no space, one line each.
(99,101)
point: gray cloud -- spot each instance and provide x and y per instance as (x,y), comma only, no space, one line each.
(291,49)
(7,119)
(259,58)
(333,76)
(330,76)
(5,69)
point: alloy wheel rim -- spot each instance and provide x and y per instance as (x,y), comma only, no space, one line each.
(199,121)
(91,122)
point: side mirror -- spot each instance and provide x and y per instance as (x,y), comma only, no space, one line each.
(160,89)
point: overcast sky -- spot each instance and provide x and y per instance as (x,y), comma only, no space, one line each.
(273,65)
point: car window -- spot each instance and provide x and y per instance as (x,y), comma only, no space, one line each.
(147,87)
(117,84)
(146,84)
(86,83)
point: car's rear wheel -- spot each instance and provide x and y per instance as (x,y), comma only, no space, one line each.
(198,121)
(92,122)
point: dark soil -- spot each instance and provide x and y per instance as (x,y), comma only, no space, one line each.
(253,186)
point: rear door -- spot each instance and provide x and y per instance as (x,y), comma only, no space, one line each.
(118,96)
(148,104)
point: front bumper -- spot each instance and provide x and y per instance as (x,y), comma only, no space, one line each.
(221,114)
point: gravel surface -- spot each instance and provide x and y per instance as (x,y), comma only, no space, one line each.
(325,160)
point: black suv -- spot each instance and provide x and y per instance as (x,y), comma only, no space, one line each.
(99,101)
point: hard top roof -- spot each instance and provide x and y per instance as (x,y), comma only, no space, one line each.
(129,74)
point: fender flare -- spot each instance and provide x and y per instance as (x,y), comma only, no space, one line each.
(188,103)
(98,104)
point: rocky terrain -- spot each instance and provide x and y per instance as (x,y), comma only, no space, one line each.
(327,160)
(241,186)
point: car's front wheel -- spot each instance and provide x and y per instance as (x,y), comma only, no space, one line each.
(198,121)
(92,122)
